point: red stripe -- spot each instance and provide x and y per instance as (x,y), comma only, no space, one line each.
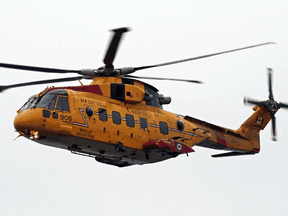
(94,89)
(222,141)
(91,88)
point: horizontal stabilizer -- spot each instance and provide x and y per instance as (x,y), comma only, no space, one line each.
(229,154)
(168,146)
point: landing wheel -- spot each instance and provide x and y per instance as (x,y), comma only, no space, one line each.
(120,148)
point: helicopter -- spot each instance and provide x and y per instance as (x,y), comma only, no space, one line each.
(119,120)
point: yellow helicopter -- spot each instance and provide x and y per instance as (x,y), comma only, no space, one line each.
(119,120)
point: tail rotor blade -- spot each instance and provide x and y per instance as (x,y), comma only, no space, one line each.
(253,101)
(283,105)
(270,73)
(273,119)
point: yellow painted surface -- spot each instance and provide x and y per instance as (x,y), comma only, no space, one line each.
(78,124)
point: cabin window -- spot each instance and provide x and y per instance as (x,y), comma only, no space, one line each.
(143,123)
(130,120)
(102,115)
(116,117)
(163,127)
(62,104)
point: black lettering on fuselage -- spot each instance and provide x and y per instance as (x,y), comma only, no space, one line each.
(137,112)
(85,133)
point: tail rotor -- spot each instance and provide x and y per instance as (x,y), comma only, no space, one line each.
(270,104)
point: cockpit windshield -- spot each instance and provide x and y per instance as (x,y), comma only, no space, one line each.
(29,103)
(48,101)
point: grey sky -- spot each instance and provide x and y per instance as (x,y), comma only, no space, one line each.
(39,180)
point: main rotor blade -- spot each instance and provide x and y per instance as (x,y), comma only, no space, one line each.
(270,71)
(159,78)
(199,57)
(38,69)
(2,88)
(114,44)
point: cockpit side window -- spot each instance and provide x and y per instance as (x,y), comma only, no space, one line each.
(62,104)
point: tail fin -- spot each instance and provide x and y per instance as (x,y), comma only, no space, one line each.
(251,127)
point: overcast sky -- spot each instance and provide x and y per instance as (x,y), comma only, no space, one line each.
(40,180)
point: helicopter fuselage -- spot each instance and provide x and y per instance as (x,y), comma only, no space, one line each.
(92,121)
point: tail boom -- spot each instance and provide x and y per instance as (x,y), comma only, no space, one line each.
(244,141)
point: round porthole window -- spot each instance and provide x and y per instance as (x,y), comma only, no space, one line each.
(89,111)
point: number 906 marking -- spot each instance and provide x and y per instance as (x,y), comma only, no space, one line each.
(66,118)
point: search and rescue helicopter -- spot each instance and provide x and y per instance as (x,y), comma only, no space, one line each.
(119,120)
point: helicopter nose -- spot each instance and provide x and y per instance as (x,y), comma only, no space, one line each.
(19,123)
(28,120)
